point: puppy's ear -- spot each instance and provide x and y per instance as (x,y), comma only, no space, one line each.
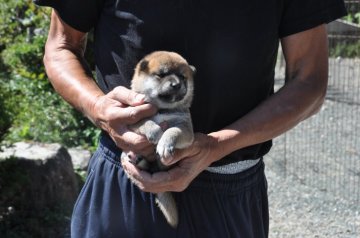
(144,65)
(193,69)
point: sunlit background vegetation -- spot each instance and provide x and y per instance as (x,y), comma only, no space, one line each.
(29,107)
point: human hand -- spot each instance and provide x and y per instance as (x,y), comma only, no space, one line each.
(118,109)
(187,164)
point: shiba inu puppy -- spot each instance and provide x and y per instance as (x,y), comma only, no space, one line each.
(166,79)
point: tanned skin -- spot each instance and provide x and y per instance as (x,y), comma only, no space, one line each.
(302,96)
(70,76)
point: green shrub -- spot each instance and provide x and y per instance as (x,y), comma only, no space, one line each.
(353,12)
(346,49)
(29,107)
(353,18)
(5,115)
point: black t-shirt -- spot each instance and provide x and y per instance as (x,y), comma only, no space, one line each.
(232,44)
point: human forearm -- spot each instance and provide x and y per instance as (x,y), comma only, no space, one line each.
(66,67)
(71,78)
(270,119)
(72,82)
(302,95)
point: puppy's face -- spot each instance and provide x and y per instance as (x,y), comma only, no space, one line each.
(166,79)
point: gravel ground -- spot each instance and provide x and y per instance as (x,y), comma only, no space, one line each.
(297,210)
(314,171)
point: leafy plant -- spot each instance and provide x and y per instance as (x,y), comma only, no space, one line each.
(346,49)
(29,107)
(5,115)
(353,18)
(353,8)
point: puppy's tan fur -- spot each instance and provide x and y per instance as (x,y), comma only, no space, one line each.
(166,79)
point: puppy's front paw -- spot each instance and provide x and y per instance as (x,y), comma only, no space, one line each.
(165,148)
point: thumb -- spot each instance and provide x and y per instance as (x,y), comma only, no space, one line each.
(127,96)
(179,154)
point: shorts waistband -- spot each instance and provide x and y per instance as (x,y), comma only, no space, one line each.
(229,183)
(233,168)
(109,149)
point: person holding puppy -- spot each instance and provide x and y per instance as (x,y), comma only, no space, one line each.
(218,182)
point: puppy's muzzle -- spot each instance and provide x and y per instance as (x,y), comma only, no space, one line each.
(173,89)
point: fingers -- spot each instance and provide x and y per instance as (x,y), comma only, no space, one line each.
(118,109)
(108,110)
(130,141)
(133,106)
(176,179)
(201,147)
(127,96)
(187,164)
(133,114)
(128,115)
(180,154)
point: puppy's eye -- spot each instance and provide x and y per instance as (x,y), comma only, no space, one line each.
(161,75)
(181,76)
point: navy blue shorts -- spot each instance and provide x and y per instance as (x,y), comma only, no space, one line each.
(213,205)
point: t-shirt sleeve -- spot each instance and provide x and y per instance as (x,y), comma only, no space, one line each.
(301,15)
(79,14)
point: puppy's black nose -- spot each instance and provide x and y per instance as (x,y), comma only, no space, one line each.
(175,85)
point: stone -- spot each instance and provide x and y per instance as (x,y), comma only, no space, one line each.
(36,177)
(80,158)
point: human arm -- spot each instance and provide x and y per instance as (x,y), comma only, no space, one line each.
(306,57)
(302,96)
(68,72)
